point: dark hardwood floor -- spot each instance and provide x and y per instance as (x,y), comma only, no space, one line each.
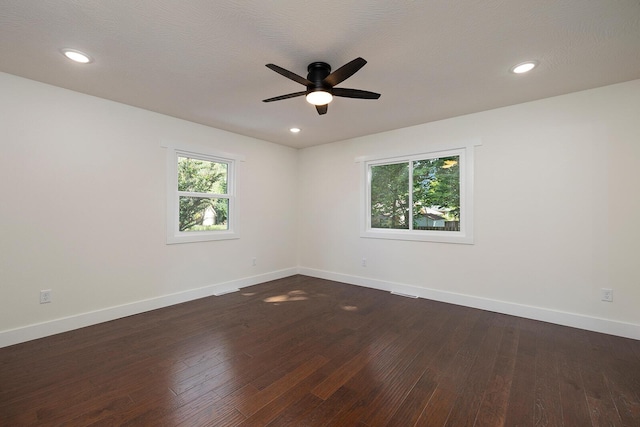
(309,352)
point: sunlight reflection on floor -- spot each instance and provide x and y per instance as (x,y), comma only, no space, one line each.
(300,295)
(289,296)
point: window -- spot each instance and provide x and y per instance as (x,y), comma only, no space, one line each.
(200,196)
(427,196)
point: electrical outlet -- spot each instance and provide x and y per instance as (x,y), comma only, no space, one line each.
(254,261)
(45,296)
(606,294)
(364,262)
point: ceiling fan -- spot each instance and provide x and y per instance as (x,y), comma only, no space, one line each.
(320,83)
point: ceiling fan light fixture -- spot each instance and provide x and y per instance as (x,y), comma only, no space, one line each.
(319,97)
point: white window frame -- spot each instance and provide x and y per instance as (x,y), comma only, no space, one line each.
(174,235)
(465,151)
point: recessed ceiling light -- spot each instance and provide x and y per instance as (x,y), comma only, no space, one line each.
(294,130)
(524,67)
(77,56)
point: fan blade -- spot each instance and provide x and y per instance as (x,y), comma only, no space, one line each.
(287,96)
(288,74)
(344,72)
(322,109)
(354,93)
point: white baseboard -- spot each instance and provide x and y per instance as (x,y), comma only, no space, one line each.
(580,321)
(56,326)
(40,330)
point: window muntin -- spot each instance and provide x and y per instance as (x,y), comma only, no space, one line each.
(420,197)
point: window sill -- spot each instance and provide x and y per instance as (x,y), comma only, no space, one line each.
(201,237)
(419,236)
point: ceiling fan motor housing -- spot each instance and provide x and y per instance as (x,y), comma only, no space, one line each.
(318,71)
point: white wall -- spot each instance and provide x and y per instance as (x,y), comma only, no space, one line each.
(82,182)
(557,213)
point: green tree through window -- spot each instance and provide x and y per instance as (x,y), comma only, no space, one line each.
(429,200)
(203,195)
(390,196)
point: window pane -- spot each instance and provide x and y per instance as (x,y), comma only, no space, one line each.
(202,176)
(203,214)
(390,196)
(436,194)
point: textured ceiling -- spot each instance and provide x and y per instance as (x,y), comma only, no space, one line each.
(204,61)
